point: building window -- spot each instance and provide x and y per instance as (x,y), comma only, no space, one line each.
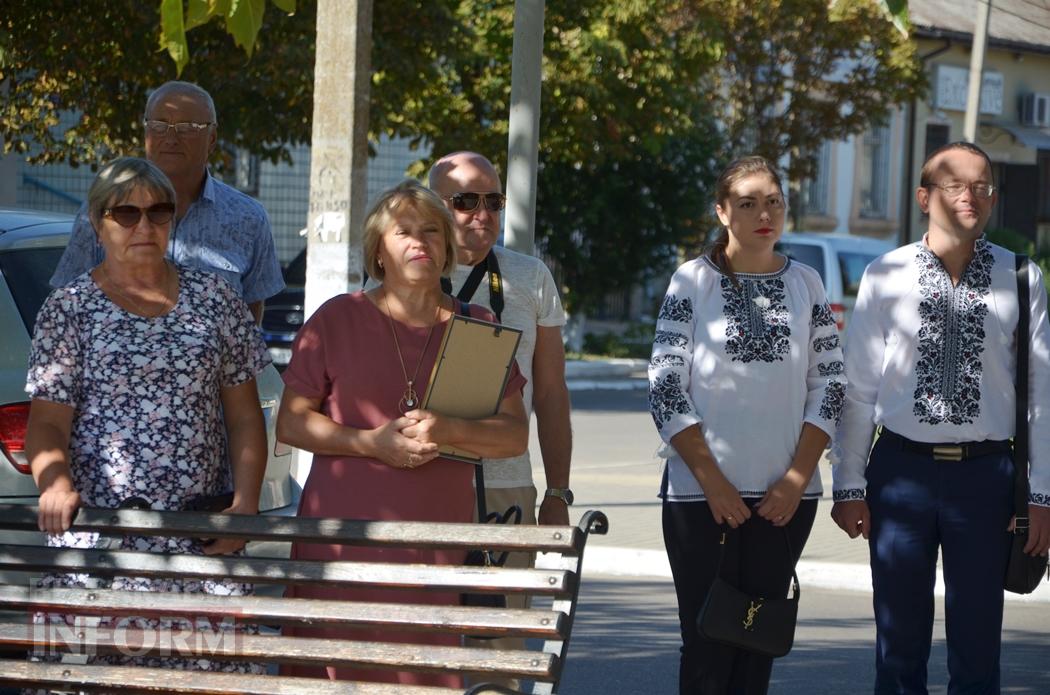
(815,190)
(875,173)
(936,136)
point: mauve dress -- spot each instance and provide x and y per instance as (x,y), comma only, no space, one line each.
(345,356)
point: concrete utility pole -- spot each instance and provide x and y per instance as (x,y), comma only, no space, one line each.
(973,97)
(526,72)
(339,149)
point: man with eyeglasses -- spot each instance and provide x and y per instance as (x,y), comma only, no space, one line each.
(930,359)
(217,228)
(520,290)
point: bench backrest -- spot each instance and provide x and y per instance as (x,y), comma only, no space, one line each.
(554,581)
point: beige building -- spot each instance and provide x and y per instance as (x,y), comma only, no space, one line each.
(865,186)
(1014,122)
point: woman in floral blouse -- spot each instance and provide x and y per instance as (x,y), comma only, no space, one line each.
(142,378)
(745,387)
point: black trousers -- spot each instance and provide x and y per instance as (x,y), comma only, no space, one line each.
(756,560)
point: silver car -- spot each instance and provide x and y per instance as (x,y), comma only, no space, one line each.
(30,245)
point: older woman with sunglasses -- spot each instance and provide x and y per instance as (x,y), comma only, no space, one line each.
(142,377)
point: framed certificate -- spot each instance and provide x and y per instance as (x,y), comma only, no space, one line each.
(470,373)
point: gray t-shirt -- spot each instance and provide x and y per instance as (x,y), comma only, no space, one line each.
(530,300)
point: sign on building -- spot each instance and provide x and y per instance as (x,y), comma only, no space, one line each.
(951,85)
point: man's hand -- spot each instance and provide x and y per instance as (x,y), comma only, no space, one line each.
(553,512)
(853,517)
(1038,530)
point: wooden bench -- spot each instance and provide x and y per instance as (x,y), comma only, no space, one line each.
(554,582)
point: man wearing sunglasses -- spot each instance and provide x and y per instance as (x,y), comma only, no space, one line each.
(217,228)
(520,290)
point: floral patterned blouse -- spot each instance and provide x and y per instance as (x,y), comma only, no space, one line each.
(750,361)
(146,397)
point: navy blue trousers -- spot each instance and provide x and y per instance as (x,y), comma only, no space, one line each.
(757,561)
(918,505)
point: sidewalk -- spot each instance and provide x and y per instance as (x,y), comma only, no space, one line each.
(634,546)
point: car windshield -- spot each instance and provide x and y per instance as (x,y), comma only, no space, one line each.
(27,272)
(806,254)
(852,266)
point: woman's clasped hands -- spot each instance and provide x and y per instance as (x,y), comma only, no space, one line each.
(409,441)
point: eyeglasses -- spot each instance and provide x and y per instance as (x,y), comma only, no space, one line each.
(161,128)
(468,202)
(129,215)
(956,188)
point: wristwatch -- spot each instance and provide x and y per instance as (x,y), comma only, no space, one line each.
(562,492)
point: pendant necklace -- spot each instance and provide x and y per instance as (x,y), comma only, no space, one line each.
(409,399)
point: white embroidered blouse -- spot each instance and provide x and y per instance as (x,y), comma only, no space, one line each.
(935,363)
(750,363)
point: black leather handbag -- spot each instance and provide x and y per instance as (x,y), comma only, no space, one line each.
(753,623)
(1024,572)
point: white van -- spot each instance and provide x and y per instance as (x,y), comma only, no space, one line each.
(840,259)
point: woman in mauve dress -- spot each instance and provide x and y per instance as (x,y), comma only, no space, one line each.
(352,396)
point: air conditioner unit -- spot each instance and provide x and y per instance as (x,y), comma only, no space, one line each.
(1035,110)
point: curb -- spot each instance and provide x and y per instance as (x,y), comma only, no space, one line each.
(608,368)
(841,576)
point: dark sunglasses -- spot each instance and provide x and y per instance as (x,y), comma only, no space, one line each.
(468,202)
(129,215)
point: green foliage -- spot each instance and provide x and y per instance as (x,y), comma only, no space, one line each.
(243,20)
(1019,243)
(635,341)
(797,73)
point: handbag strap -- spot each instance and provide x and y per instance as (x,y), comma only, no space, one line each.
(1021,395)
(727,530)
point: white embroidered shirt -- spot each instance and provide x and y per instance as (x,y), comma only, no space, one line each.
(750,363)
(935,363)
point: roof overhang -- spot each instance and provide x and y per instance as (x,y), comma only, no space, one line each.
(1031,137)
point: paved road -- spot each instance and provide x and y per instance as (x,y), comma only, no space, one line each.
(626,637)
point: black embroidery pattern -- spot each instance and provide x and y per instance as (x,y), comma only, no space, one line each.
(756,320)
(822,316)
(667,361)
(675,309)
(847,495)
(834,399)
(671,338)
(826,344)
(951,338)
(830,368)
(666,399)
(1039,498)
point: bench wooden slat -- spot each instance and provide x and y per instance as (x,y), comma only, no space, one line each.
(153,680)
(287,650)
(276,571)
(564,539)
(539,623)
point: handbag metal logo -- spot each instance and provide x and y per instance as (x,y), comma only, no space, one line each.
(752,611)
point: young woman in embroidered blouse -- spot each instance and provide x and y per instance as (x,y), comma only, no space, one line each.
(352,397)
(746,384)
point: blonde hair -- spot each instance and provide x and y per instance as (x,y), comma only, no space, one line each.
(383,211)
(737,170)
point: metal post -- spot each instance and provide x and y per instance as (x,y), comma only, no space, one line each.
(980,43)
(524,136)
(339,150)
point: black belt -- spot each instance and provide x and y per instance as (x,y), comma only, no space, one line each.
(954,451)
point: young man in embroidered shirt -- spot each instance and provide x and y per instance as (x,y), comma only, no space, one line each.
(473,193)
(217,228)
(930,360)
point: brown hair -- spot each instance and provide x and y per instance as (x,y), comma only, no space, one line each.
(927,166)
(421,199)
(737,170)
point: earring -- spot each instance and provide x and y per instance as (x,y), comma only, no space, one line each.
(380,263)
